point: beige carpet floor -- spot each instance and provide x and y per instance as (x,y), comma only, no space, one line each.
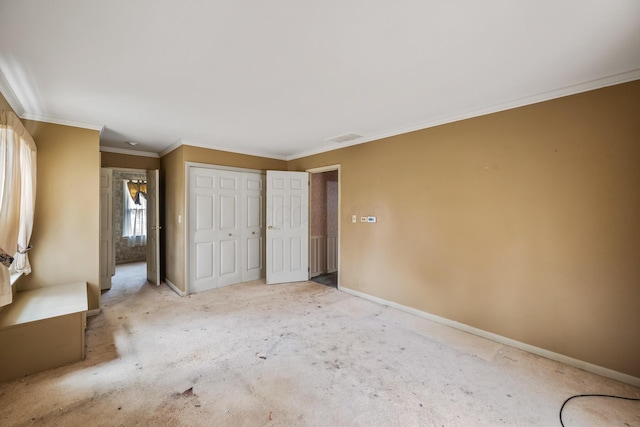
(295,354)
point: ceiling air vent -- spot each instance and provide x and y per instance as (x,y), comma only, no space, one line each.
(345,137)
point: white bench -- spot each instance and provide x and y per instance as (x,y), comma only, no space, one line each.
(42,329)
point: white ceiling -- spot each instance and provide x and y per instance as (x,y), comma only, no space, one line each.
(278,78)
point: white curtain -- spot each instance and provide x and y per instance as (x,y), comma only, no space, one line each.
(17,195)
(9,186)
(27,207)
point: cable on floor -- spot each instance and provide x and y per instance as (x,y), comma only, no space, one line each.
(592,395)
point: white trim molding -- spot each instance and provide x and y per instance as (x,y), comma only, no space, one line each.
(520,102)
(256,153)
(174,287)
(10,95)
(321,169)
(580,364)
(64,122)
(170,148)
(105,149)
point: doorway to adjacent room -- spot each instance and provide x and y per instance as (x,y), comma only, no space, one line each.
(324,225)
(128,223)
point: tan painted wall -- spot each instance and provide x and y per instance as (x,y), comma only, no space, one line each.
(524,223)
(225,158)
(117,160)
(173,184)
(173,204)
(66,223)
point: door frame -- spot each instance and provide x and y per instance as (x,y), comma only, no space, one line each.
(153,229)
(322,169)
(187,238)
(107,260)
(112,207)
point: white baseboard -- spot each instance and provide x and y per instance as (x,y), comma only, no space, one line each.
(175,288)
(589,367)
(93,312)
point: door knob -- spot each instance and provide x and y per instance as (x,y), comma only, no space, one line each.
(229,234)
(253,232)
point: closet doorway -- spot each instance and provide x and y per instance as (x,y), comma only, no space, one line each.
(225,226)
(324,225)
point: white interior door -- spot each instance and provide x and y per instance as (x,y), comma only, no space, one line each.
(107,250)
(287,242)
(252,209)
(153,227)
(214,228)
(228,235)
(202,229)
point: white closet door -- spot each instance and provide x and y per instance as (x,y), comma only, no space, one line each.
(226,227)
(228,216)
(203,188)
(253,227)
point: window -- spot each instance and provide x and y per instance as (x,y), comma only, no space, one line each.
(17,200)
(134,226)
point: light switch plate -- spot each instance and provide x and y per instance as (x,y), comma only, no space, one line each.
(354,219)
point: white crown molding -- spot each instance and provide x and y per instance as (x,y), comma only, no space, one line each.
(55,121)
(11,98)
(257,153)
(520,102)
(106,149)
(10,95)
(172,147)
